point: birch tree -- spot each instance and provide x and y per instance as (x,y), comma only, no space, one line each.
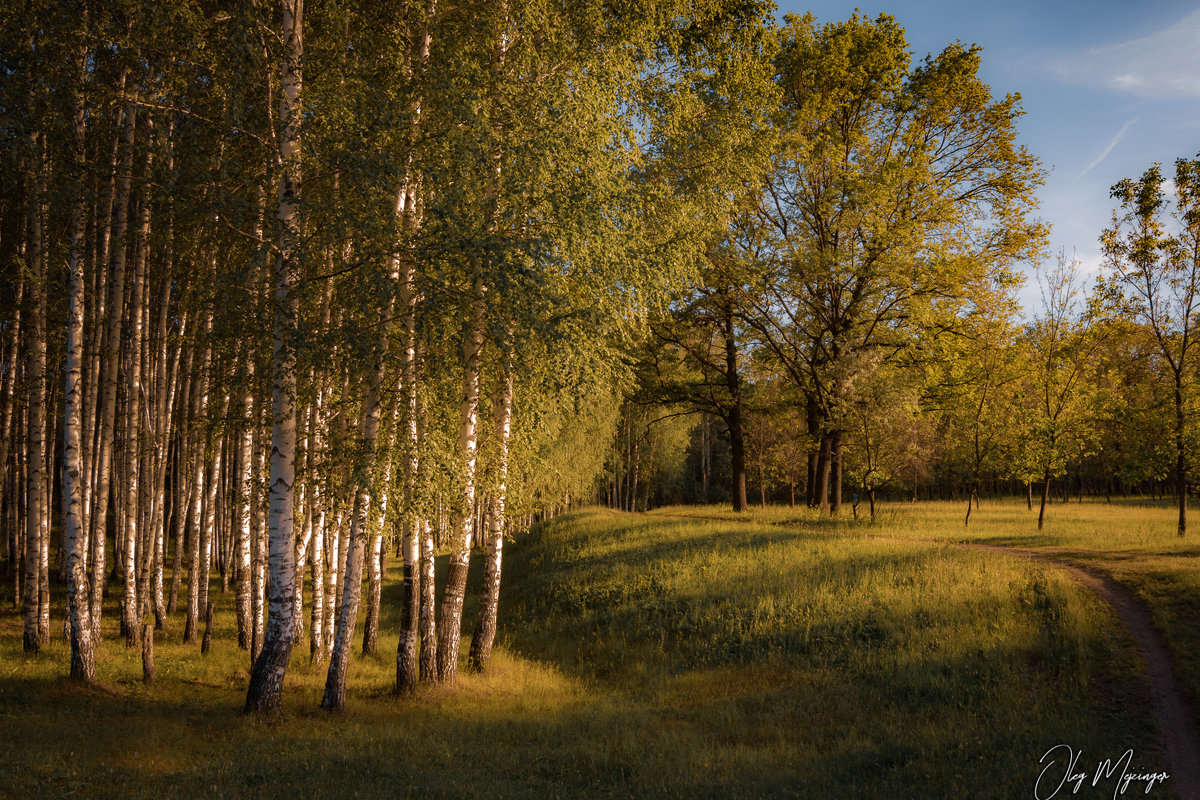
(266,679)
(79,618)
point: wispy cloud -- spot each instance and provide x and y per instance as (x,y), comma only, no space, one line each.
(1165,64)
(1115,140)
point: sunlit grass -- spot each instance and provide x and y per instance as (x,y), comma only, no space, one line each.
(640,655)
(1142,525)
(1135,541)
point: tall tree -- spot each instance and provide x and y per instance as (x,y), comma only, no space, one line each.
(79,618)
(1156,270)
(1063,346)
(897,195)
(266,679)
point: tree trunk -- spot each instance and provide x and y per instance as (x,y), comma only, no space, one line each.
(209,528)
(79,620)
(428,622)
(377,553)
(108,406)
(130,619)
(36,537)
(407,673)
(335,682)
(1045,499)
(335,557)
(835,467)
(1180,455)
(258,577)
(266,680)
(489,601)
(450,613)
(196,576)
(7,435)
(737,441)
(316,643)
(168,388)
(245,493)
(823,475)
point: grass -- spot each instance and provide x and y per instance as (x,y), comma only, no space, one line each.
(1134,541)
(647,655)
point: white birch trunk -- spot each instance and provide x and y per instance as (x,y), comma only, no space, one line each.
(485,628)
(92,411)
(131,626)
(407,672)
(407,668)
(450,612)
(428,621)
(335,557)
(8,479)
(266,680)
(35,376)
(167,392)
(112,344)
(181,498)
(258,587)
(196,576)
(79,618)
(245,492)
(209,534)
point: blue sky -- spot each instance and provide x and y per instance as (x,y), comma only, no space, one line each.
(1108,87)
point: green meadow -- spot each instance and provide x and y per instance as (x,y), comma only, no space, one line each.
(681,653)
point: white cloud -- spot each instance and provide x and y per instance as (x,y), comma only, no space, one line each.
(1163,65)
(1115,140)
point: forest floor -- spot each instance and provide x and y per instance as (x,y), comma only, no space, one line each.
(771,654)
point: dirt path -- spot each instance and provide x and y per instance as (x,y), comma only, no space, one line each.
(1176,724)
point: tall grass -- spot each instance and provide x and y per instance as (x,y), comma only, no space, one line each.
(1134,541)
(640,656)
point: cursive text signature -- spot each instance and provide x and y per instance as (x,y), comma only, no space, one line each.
(1062,770)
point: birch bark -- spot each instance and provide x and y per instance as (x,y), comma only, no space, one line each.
(450,612)
(35,376)
(131,627)
(407,673)
(79,620)
(196,575)
(485,627)
(8,434)
(112,344)
(245,491)
(266,680)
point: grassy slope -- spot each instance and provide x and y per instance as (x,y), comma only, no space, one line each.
(1133,541)
(642,655)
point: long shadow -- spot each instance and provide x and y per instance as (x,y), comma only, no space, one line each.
(905,735)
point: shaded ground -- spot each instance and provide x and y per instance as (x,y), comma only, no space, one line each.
(639,657)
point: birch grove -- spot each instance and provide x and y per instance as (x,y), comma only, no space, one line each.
(459,241)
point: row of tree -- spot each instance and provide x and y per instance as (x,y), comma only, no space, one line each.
(284,292)
(1078,401)
(855,321)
